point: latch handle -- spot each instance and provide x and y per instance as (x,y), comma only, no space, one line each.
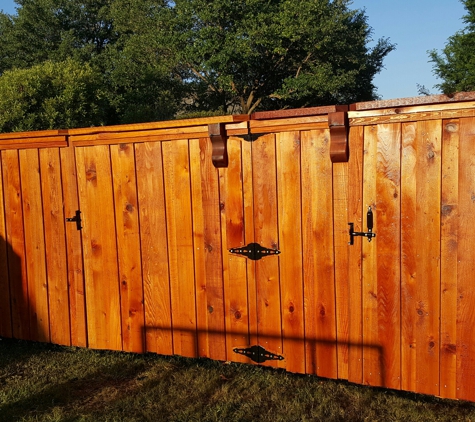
(76,219)
(369,223)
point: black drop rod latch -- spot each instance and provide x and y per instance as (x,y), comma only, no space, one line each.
(369,223)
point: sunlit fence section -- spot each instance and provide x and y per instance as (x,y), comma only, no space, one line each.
(230,238)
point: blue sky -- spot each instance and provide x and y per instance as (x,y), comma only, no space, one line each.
(414,25)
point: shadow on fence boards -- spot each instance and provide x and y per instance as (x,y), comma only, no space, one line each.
(230,238)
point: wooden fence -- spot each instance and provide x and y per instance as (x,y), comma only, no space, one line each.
(228,238)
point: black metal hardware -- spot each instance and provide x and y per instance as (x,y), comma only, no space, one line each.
(254,251)
(369,234)
(258,354)
(76,219)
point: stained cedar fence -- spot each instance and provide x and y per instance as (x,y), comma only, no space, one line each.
(145,238)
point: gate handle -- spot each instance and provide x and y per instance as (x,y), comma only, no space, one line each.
(76,219)
(369,223)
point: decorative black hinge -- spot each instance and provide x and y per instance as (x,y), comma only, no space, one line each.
(76,219)
(254,251)
(258,354)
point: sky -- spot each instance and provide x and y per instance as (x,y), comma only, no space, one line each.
(415,26)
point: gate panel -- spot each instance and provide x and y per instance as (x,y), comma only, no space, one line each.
(5,307)
(74,250)
(420,230)
(317,258)
(381,257)
(176,166)
(466,264)
(16,245)
(154,247)
(266,234)
(100,247)
(55,246)
(208,251)
(449,257)
(290,240)
(128,246)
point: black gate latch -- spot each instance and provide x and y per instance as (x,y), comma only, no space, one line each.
(369,234)
(76,219)
(258,354)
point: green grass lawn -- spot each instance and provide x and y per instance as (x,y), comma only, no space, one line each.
(40,382)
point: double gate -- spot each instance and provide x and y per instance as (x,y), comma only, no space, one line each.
(130,238)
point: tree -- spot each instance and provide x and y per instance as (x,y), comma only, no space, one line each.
(125,53)
(51,95)
(237,55)
(456,65)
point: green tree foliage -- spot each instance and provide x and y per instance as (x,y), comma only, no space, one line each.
(50,95)
(241,54)
(456,65)
(156,59)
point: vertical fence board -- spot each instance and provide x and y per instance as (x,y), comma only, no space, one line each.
(449,258)
(180,246)
(154,246)
(427,304)
(318,263)
(16,245)
(355,208)
(74,250)
(290,240)
(408,256)
(387,213)
(128,247)
(266,234)
(208,251)
(34,245)
(373,372)
(100,248)
(466,264)
(234,267)
(5,308)
(249,236)
(55,244)
(341,258)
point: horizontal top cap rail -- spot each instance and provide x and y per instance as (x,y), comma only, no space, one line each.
(413,101)
(34,139)
(429,107)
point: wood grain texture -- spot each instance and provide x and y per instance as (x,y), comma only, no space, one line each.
(74,250)
(34,245)
(341,254)
(449,221)
(154,247)
(128,247)
(269,318)
(408,256)
(318,260)
(208,251)
(290,239)
(234,267)
(373,371)
(100,248)
(176,166)
(5,306)
(466,263)
(427,305)
(387,219)
(420,231)
(355,215)
(55,246)
(16,245)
